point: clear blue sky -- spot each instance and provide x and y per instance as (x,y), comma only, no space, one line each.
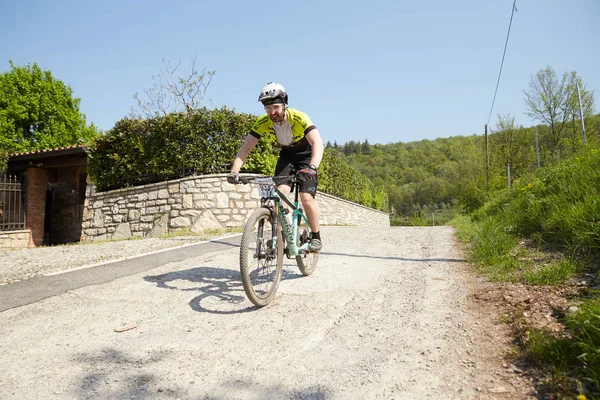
(383,70)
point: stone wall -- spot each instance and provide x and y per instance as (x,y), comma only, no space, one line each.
(337,211)
(197,203)
(15,239)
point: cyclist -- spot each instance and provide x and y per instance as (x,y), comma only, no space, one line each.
(301,150)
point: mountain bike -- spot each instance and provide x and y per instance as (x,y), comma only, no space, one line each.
(271,231)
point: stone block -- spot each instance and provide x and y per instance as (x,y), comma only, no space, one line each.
(190,213)
(204,204)
(222,200)
(187,185)
(180,222)
(88,214)
(173,188)
(160,227)
(188,201)
(98,218)
(206,221)
(102,237)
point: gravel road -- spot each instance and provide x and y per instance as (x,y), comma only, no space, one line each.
(388,314)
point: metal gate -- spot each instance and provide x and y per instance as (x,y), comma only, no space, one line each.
(12,204)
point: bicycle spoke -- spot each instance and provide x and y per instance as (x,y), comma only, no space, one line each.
(261,265)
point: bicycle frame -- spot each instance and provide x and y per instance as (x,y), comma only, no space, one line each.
(290,232)
(261,255)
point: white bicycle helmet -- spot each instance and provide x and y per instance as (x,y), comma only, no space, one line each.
(273,93)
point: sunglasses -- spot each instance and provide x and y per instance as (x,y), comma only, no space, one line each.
(273,107)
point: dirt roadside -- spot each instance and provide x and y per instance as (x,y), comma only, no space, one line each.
(390,313)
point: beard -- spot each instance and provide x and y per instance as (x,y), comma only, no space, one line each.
(278,119)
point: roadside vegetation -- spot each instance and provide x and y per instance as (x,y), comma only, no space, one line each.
(545,231)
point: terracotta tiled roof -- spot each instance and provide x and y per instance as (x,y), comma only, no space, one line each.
(49,151)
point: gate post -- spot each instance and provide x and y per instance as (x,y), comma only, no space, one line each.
(37,181)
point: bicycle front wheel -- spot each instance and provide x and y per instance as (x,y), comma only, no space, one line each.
(261,264)
(307,262)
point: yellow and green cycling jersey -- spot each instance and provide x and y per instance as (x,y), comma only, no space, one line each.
(291,135)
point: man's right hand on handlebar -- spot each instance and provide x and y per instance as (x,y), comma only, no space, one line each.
(233,178)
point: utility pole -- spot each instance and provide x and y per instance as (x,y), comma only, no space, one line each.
(487,159)
(581,116)
(537,147)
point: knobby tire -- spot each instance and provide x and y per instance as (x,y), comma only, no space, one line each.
(260,277)
(307,263)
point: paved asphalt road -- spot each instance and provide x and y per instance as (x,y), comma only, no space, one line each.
(33,290)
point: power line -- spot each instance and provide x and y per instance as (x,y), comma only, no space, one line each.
(514,8)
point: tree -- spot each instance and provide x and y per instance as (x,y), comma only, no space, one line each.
(173,92)
(553,102)
(39,112)
(467,172)
(511,145)
(366,147)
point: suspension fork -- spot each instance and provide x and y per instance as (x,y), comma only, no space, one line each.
(273,209)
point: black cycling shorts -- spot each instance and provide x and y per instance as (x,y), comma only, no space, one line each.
(290,163)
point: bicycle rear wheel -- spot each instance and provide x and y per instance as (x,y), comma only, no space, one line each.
(261,265)
(307,262)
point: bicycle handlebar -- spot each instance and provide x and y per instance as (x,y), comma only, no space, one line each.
(248,179)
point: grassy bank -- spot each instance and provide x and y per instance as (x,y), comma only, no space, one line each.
(545,231)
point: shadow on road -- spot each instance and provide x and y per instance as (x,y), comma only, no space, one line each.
(221,290)
(445,260)
(112,373)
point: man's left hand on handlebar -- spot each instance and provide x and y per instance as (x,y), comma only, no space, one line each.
(307,174)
